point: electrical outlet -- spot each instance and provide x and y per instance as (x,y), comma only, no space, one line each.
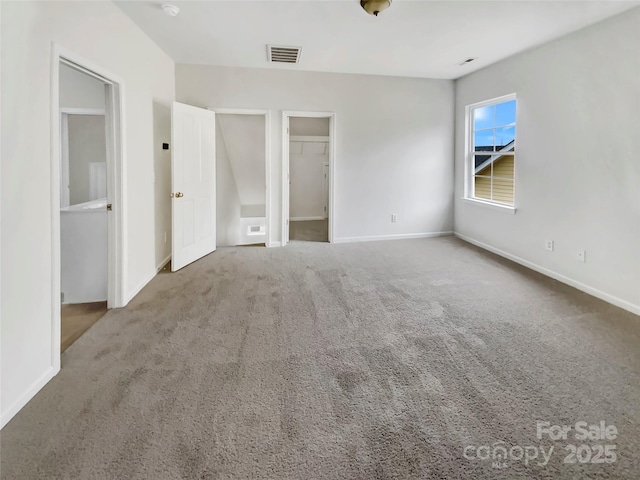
(549,245)
(394,218)
(581,256)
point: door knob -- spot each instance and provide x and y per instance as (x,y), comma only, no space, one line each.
(177,194)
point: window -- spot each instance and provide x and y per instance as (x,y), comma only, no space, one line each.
(491,155)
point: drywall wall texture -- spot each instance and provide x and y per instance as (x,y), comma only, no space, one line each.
(102,34)
(394,141)
(577,169)
(79,90)
(309,126)
(86,146)
(308,187)
(227,197)
(244,139)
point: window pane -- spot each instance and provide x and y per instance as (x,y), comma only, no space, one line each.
(503,166)
(482,187)
(483,140)
(503,191)
(505,136)
(506,114)
(483,117)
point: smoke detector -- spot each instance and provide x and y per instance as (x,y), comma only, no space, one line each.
(170,10)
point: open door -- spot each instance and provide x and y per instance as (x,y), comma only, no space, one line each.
(193,183)
(286,182)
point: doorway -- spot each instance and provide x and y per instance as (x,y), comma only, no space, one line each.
(87,197)
(242,179)
(308,176)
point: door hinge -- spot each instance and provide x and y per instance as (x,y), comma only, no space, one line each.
(109,207)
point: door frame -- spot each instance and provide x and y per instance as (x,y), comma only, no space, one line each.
(286,115)
(116,185)
(64,145)
(267,161)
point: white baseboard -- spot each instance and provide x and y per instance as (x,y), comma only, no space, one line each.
(618,302)
(28,395)
(304,219)
(274,244)
(135,291)
(398,236)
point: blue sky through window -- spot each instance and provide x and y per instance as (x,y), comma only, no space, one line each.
(494,126)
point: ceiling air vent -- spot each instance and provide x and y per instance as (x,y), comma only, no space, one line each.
(468,60)
(279,54)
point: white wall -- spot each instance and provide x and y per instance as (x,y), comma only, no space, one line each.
(394,141)
(101,33)
(577,168)
(227,197)
(308,195)
(80,90)
(244,139)
(87,143)
(318,127)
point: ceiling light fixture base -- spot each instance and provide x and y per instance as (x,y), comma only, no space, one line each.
(170,10)
(374,7)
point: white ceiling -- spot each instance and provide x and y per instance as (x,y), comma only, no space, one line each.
(411,38)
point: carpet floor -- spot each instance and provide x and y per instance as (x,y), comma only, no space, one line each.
(376,360)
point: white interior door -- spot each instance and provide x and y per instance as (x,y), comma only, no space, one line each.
(193,183)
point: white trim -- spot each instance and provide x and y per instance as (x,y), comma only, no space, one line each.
(491,101)
(285,168)
(267,158)
(397,236)
(116,187)
(309,138)
(498,207)
(65,191)
(469,184)
(82,111)
(274,244)
(618,302)
(28,394)
(304,219)
(238,111)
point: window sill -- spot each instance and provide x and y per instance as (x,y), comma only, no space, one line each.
(493,206)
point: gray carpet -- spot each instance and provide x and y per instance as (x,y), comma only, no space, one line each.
(309,230)
(355,361)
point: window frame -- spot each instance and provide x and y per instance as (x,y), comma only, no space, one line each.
(470,154)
